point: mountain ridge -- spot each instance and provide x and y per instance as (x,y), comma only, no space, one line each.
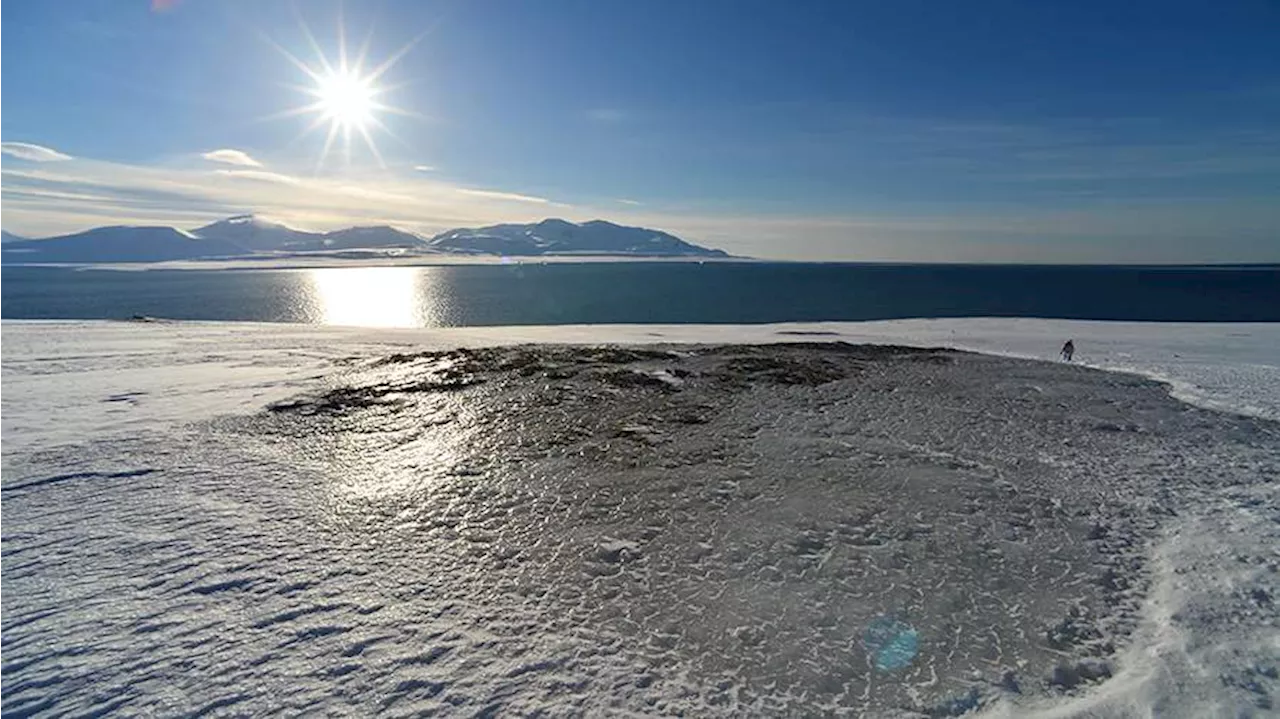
(250,235)
(117,243)
(256,234)
(554,236)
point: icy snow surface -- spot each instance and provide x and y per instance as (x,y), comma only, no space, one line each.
(247,519)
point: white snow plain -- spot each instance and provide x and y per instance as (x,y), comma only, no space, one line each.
(88,398)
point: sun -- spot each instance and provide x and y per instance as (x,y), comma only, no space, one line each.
(346,99)
(345,95)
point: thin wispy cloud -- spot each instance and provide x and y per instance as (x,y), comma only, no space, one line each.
(509,196)
(32,153)
(259,176)
(424,168)
(231,157)
(55,199)
(374,194)
(625,201)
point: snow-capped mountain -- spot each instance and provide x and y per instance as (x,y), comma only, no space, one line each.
(254,234)
(380,236)
(249,235)
(555,236)
(118,244)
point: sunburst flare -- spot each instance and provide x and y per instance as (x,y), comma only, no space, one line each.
(345,96)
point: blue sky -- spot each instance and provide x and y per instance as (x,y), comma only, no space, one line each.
(933,131)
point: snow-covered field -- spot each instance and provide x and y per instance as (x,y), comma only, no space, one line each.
(702,532)
(194,370)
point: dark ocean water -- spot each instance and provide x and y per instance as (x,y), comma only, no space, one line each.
(535,294)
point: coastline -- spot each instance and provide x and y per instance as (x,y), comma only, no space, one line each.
(442,260)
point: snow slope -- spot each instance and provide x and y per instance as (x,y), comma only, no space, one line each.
(260,597)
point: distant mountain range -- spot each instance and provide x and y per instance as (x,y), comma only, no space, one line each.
(254,234)
(116,244)
(248,235)
(560,237)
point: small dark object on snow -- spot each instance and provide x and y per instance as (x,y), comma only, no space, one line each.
(1068,350)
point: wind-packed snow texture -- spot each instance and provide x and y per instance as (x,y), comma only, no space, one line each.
(246,519)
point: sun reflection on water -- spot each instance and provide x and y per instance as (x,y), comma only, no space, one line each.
(369,297)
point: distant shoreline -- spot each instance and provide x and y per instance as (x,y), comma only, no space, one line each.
(295,263)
